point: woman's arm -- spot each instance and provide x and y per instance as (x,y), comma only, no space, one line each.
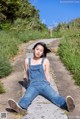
(26,68)
(47,69)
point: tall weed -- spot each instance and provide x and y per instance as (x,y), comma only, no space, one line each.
(69,52)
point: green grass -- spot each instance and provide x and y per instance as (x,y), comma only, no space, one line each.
(69,52)
(5,67)
(32,35)
(2,90)
(8,44)
(56,34)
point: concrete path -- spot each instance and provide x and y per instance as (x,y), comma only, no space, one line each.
(41,108)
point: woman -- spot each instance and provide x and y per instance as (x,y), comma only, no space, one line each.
(38,76)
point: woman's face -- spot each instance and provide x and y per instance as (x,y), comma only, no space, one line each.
(38,51)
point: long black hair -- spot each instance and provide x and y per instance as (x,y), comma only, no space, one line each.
(46,50)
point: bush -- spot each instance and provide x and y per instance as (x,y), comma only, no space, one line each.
(69,52)
(25,36)
(8,44)
(5,26)
(57,34)
(5,67)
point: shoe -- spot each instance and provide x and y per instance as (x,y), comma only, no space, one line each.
(70,103)
(16,107)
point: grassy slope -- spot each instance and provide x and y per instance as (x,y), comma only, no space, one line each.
(69,52)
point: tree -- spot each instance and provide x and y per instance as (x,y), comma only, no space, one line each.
(11,10)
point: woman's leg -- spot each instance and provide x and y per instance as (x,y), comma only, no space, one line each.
(49,93)
(28,97)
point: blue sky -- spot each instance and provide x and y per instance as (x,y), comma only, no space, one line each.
(53,12)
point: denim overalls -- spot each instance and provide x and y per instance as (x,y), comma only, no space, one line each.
(40,86)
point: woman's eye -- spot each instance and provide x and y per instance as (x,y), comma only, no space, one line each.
(39,50)
(36,49)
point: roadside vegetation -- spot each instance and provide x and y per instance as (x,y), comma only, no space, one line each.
(69,48)
(2,90)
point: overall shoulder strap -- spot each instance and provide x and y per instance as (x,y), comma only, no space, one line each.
(29,61)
